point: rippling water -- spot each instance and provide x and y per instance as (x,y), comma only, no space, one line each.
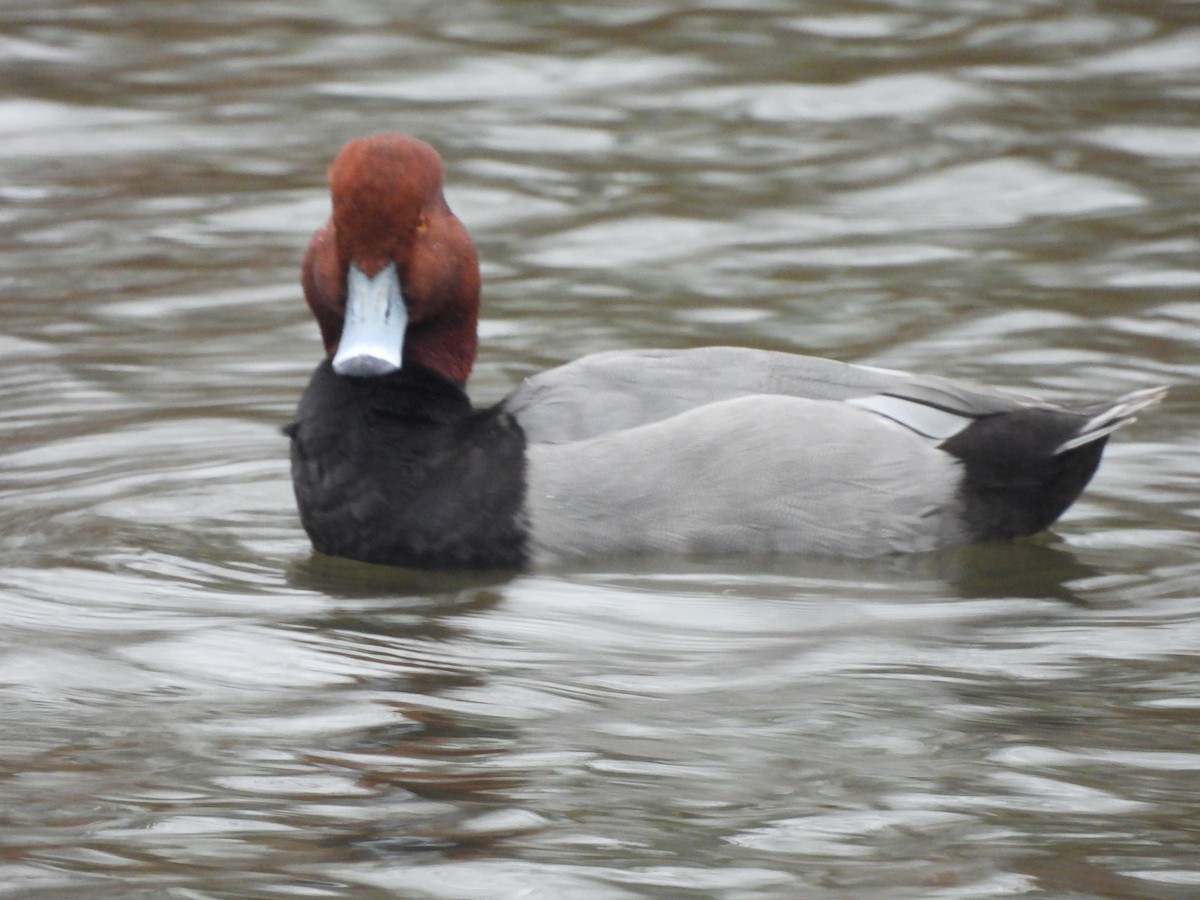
(193,705)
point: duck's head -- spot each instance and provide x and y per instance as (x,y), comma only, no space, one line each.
(392,277)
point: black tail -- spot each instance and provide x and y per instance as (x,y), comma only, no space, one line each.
(1026,467)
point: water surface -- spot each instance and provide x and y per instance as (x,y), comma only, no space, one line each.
(194,705)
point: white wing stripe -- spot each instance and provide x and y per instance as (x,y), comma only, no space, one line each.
(930,421)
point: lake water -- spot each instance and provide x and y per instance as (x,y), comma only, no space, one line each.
(193,705)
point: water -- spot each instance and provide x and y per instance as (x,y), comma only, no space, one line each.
(195,706)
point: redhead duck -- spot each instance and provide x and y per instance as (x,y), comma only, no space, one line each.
(710,451)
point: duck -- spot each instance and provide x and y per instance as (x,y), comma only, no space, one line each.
(705,452)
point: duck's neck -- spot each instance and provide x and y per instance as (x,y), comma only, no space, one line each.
(447,345)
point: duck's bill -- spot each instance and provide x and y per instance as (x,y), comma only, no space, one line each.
(373,332)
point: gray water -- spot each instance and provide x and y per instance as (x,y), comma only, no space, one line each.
(193,705)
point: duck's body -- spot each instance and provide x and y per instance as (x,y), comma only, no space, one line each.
(702,452)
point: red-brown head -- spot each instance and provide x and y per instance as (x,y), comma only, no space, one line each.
(391,234)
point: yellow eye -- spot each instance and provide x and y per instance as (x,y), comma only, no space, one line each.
(420,224)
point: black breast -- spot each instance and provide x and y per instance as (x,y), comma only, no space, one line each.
(399,469)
